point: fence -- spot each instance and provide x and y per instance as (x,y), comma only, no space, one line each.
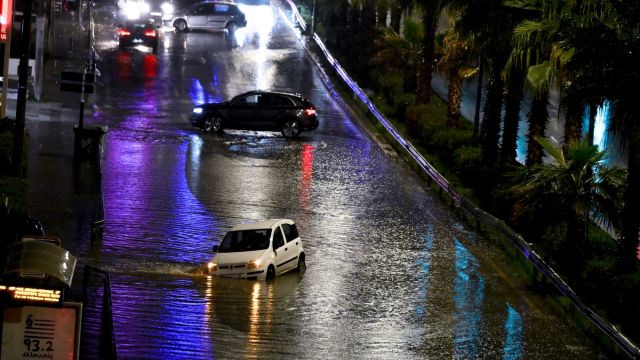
(478,214)
(98,338)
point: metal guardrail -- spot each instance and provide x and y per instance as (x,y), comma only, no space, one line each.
(98,335)
(299,18)
(483,217)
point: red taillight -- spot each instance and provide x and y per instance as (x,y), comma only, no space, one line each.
(150,33)
(311,112)
(124,32)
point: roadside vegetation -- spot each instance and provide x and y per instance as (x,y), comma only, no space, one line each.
(568,206)
(14,191)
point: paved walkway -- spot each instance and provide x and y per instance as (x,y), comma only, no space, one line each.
(70,51)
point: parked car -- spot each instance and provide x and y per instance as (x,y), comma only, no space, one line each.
(288,113)
(208,16)
(259,250)
(139,32)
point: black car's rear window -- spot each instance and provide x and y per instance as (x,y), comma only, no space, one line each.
(246,240)
(139,23)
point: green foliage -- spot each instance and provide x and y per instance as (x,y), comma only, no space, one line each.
(7,127)
(468,158)
(401,102)
(16,190)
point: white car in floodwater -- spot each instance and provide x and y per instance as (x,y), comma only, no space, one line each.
(259,250)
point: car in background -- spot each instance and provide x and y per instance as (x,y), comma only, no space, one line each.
(264,110)
(139,32)
(207,16)
(259,250)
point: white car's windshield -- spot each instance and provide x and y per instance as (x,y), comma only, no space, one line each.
(247,240)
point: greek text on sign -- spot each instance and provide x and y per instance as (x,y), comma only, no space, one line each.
(40,333)
(18,293)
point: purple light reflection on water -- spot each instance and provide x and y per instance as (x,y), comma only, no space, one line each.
(152,217)
(199,96)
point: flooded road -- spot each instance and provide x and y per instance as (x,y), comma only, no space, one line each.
(390,273)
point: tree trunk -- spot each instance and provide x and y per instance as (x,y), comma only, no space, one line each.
(383,12)
(538,118)
(396,17)
(513,101)
(629,241)
(490,128)
(454,98)
(574,112)
(593,112)
(430,23)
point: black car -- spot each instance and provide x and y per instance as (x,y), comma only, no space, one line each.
(139,32)
(286,112)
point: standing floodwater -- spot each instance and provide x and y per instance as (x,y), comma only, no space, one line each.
(390,273)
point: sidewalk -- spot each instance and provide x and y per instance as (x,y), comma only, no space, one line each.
(62,195)
(70,51)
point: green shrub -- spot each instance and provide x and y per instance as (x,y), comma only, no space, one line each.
(401,101)
(16,190)
(7,127)
(387,111)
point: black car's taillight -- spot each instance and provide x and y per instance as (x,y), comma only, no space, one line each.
(124,32)
(150,33)
(310,111)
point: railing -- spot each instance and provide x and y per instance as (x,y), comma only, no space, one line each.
(98,336)
(97,227)
(481,216)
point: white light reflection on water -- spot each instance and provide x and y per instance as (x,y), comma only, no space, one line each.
(513,328)
(425,263)
(468,300)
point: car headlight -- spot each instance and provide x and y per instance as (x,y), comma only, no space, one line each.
(144,7)
(253,264)
(167,8)
(212,267)
(197,110)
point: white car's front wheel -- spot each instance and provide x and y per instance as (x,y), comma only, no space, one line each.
(271,272)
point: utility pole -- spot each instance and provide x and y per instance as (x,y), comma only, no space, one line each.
(23,71)
(476,117)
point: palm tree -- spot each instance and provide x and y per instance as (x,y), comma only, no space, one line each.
(400,54)
(512,104)
(430,12)
(564,193)
(455,57)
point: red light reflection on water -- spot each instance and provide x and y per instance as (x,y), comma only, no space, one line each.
(123,64)
(150,66)
(306,172)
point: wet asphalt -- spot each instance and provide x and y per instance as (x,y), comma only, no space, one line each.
(390,272)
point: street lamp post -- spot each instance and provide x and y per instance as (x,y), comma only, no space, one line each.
(23,71)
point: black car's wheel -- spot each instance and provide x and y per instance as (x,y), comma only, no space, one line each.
(302,265)
(213,125)
(154,48)
(271,272)
(232,27)
(180,25)
(291,129)
(121,45)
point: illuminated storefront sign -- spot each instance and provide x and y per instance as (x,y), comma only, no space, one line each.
(31,295)
(5,18)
